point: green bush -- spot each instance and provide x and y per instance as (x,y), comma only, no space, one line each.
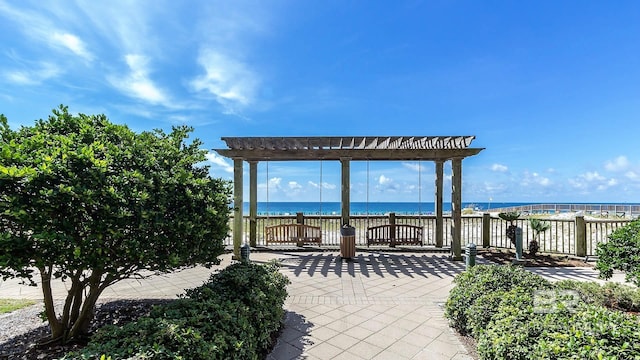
(232,316)
(621,252)
(149,338)
(594,332)
(519,328)
(481,280)
(486,306)
(611,295)
(514,331)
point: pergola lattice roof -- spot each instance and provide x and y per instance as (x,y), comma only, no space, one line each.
(433,148)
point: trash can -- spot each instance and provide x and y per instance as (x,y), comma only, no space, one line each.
(347,241)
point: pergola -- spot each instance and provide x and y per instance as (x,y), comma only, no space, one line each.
(438,149)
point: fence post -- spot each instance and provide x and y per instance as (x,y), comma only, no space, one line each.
(581,236)
(392,229)
(299,218)
(486,230)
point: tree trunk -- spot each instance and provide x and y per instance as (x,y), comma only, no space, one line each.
(56,326)
(80,327)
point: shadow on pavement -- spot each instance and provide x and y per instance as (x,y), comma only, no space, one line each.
(373,264)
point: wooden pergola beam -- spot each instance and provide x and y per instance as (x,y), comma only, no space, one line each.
(354,154)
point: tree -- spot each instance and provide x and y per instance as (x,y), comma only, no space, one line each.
(511,217)
(91,202)
(538,226)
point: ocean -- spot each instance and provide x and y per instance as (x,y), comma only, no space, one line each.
(359,208)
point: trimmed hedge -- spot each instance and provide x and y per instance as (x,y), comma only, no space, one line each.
(508,324)
(232,316)
(482,280)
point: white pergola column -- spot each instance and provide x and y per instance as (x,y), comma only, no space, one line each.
(456,210)
(438,203)
(237,203)
(253,202)
(346,190)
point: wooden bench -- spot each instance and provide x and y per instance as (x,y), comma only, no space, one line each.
(298,234)
(403,235)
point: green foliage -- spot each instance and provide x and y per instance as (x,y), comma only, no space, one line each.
(487,305)
(509,216)
(593,332)
(621,252)
(538,226)
(481,280)
(514,330)
(511,325)
(610,295)
(232,316)
(93,202)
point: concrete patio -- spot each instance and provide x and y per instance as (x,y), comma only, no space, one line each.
(375,306)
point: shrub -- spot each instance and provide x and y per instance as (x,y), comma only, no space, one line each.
(232,316)
(481,280)
(593,332)
(621,252)
(611,295)
(486,306)
(514,330)
(150,338)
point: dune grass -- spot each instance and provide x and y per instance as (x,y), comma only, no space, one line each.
(9,305)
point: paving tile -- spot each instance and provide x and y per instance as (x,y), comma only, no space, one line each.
(343,341)
(324,333)
(365,350)
(404,349)
(324,350)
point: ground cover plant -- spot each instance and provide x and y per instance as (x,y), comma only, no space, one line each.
(524,318)
(232,316)
(92,202)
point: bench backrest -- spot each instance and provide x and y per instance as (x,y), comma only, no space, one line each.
(293,233)
(403,235)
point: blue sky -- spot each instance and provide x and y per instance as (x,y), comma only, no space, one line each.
(551,89)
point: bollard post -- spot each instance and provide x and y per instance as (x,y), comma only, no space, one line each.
(471,252)
(244,253)
(518,244)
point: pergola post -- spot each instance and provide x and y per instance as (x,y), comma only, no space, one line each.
(456,211)
(439,219)
(253,203)
(237,203)
(346,190)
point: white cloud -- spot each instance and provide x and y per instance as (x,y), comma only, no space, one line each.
(72,43)
(535,179)
(325,185)
(414,166)
(592,176)
(383,180)
(137,83)
(499,168)
(632,175)
(220,161)
(618,164)
(293,185)
(43,72)
(231,81)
